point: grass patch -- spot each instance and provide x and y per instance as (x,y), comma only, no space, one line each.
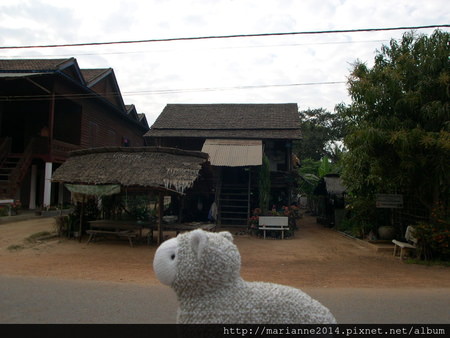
(15,247)
(427,263)
(34,237)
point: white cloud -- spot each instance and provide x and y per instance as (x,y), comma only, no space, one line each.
(143,69)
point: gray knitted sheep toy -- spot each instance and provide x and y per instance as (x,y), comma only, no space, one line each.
(204,270)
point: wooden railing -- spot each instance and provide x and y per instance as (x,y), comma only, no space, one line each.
(5,148)
(60,149)
(37,147)
(19,172)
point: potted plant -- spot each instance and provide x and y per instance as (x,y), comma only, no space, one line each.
(15,207)
(253,222)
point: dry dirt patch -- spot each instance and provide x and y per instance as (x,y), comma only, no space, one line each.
(315,257)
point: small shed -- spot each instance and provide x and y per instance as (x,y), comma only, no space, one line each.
(331,203)
(100,171)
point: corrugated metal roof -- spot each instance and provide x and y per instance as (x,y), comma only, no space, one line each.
(233,153)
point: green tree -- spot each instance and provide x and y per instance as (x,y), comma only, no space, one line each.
(312,171)
(399,138)
(322,132)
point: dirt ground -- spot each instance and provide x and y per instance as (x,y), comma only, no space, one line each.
(315,257)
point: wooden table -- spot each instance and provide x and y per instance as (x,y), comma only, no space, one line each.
(182,227)
(119,228)
(179,227)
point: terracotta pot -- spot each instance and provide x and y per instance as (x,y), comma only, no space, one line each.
(386,232)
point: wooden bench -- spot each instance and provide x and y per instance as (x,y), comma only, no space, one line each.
(402,246)
(277,223)
(409,236)
(125,233)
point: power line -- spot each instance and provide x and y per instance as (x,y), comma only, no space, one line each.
(211,37)
(207,48)
(211,89)
(159,91)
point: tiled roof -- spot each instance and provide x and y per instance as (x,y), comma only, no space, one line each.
(32,64)
(143,120)
(87,78)
(130,107)
(92,74)
(288,134)
(228,116)
(228,120)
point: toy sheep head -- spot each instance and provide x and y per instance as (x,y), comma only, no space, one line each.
(197,259)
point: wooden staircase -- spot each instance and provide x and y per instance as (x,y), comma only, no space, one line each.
(13,168)
(7,169)
(233,205)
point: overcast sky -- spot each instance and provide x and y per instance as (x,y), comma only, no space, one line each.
(281,69)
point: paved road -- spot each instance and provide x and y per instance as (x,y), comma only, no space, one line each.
(47,300)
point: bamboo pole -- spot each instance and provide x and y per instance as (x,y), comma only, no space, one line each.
(81,219)
(160,216)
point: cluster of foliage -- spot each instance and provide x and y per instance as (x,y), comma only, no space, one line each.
(396,134)
(399,123)
(433,237)
(322,132)
(133,206)
(398,128)
(4,210)
(138,207)
(67,225)
(363,218)
(311,171)
(321,147)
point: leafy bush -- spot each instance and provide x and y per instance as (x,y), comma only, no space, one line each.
(138,207)
(433,237)
(3,211)
(362,217)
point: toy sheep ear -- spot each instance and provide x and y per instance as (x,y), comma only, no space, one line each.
(199,241)
(227,235)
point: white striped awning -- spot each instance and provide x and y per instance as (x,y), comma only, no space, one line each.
(233,153)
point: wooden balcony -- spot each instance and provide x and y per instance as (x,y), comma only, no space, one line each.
(57,151)
(60,150)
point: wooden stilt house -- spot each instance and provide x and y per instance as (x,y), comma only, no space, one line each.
(49,107)
(236,137)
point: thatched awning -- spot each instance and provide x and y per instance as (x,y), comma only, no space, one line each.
(148,167)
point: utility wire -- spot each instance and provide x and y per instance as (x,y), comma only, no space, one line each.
(210,89)
(208,48)
(226,37)
(158,91)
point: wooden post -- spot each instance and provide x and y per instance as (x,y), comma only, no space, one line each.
(48,184)
(249,192)
(180,207)
(51,123)
(160,216)
(33,186)
(81,219)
